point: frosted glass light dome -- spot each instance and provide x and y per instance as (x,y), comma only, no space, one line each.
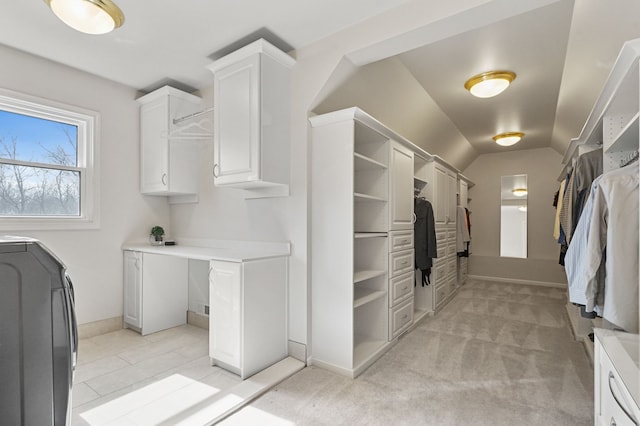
(88,16)
(489,84)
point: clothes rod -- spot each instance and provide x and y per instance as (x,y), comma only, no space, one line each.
(195,114)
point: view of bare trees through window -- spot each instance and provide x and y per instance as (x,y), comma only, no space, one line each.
(38,167)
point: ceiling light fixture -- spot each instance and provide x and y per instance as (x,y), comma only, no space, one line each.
(508,138)
(489,84)
(520,192)
(88,16)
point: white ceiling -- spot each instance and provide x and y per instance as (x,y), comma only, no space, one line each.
(172,41)
(561,51)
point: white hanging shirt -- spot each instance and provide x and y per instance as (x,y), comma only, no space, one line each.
(614,227)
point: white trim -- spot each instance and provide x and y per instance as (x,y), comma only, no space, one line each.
(88,149)
(517,281)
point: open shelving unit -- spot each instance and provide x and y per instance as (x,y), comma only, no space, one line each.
(349,245)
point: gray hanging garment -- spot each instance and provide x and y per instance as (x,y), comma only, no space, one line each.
(424,238)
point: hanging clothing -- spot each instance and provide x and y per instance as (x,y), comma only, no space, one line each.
(566,210)
(424,231)
(462,231)
(556,224)
(588,168)
(607,245)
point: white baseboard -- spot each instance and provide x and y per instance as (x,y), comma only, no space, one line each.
(96,328)
(516,281)
(198,320)
(297,350)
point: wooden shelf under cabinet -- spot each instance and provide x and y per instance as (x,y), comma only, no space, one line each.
(363,296)
(358,197)
(360,276)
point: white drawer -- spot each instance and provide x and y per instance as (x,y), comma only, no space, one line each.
(451,250)
(400,288)
(442,252)
(400,240)
(401,262)
(441,236)
(451,235)
(439,273)
(400,318)
(452,268)
(441,294)
(614,396)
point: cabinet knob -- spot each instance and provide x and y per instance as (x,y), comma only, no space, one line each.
(164,179)
(215,172)
(612,422)
(414,218)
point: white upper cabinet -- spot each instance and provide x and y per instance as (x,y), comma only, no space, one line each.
(400,187)
(445,194)
(168,158)
(251,120)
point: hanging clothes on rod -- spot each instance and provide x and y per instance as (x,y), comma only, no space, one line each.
(602,259)
(463,236)
(424,230)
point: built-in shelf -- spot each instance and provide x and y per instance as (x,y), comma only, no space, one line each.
(362,162)
(422,181)
(359,235)
(627,139)
(362,296)
(364,348)
(358,197)
(360,276)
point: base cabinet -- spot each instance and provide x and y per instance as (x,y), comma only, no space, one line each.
(617,389)
(247,318)
(155,291)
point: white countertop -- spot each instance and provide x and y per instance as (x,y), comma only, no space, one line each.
(624,351)
(225,250)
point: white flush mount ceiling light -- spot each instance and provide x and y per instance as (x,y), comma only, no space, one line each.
(88,16)
(508,139)
(489,84)
(520,192)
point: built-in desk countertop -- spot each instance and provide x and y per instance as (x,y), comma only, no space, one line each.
(229,251)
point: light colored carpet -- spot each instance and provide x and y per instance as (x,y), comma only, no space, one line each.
(497,354)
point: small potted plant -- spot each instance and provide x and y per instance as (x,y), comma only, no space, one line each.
(157,234)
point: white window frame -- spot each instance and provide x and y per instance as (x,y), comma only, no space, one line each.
(88,124)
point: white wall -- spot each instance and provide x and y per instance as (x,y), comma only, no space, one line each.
(93,257)
(542,167)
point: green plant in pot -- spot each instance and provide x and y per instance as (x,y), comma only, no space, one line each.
(157,232)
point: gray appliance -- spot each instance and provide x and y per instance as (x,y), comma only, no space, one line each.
(38,335)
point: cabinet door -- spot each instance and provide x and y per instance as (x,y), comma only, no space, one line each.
(225,316)
(440,195)
(133,288)
(236,119)
(452,197)
(154,146)
(165,292)
(464,194)
(401,187)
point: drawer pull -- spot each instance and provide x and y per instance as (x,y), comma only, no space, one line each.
(624,409)
(405,263)
(612,422)
(405,288)
(405,316)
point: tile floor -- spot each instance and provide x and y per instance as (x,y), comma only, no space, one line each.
(123,378)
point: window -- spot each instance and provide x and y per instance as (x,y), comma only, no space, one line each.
(47,157)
